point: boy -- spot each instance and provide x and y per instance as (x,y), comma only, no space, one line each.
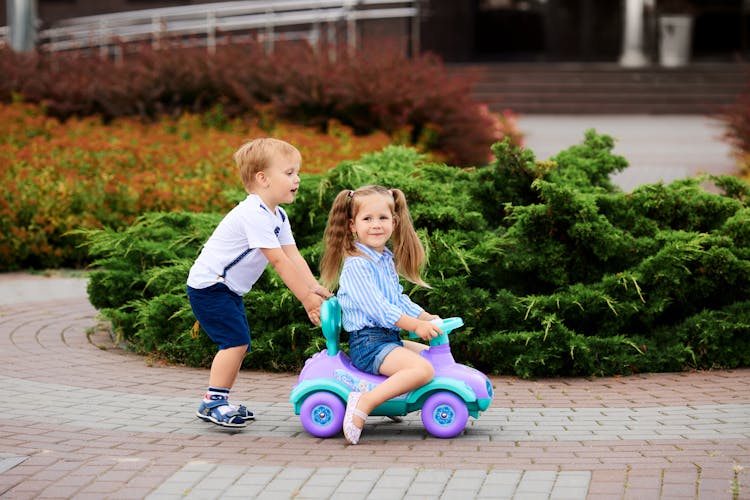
(251,235)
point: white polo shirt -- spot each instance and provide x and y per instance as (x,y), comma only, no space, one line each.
(232,254)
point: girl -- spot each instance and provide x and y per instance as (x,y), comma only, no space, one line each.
(375,309)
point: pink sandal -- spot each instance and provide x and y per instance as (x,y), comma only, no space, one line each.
(351,431)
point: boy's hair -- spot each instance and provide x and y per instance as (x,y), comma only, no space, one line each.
(256,156)
(408,252)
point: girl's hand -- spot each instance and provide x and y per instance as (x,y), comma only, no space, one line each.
(428,317)
(427,330)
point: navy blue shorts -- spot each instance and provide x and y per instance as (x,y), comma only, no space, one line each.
(369,347)
(221,313)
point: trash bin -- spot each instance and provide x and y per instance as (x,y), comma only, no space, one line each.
(675,38)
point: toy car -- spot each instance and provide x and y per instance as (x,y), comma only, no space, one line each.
(320,395)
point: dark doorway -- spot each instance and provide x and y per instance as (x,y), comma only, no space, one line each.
(510,30)
(548,30)
(720,29)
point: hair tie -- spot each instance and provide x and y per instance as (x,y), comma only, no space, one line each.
(351,194)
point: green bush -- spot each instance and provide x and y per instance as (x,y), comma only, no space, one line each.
(555,271)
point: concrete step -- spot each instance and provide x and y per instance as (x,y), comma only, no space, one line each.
(605,88)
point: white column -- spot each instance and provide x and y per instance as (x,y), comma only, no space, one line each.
(632,40)
(22,24)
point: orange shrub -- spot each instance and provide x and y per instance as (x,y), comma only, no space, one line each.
(80,173)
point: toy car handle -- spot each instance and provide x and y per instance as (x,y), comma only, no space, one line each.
(445,324)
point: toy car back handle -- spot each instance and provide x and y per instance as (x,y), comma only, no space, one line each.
(445,324)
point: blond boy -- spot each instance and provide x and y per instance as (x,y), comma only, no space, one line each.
(254,233)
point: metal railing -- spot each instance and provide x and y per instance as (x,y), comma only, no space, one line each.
(268,21)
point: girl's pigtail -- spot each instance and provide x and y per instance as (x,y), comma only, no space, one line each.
(408,252)
(337,240)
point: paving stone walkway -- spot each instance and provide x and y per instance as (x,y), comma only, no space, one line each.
(657,147)
(83,419)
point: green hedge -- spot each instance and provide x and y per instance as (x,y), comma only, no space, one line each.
(555,271)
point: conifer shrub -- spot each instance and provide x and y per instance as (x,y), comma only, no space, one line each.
(555,271)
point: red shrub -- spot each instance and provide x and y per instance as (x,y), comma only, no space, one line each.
(410,98)
(737,120)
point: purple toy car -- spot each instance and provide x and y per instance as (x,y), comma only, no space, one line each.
(456,391)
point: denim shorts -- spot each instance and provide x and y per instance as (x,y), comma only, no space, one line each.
(221,313)
(369,347)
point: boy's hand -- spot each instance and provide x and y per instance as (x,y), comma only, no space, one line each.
(322,291)
(427,330)
(312,304)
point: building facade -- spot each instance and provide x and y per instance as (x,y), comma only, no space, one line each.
(516,30)
(576,30)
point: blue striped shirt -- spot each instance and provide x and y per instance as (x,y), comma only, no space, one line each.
(370,293)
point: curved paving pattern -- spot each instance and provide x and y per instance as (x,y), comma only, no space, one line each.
(96,422)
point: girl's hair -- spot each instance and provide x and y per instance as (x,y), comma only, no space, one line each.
(408,252)
(256,156)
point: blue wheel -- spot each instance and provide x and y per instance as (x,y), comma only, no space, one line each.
(322,414)
(444,415)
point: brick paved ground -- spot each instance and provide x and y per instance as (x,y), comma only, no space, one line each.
(83,419)
(78,422)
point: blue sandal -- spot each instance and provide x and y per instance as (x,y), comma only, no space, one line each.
(210,412)
(244,412)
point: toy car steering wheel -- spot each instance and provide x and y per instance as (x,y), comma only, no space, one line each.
(445,324)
